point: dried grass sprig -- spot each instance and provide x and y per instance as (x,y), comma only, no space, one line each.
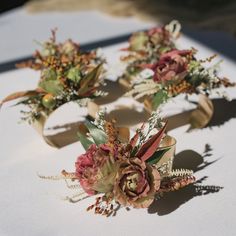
(180,172)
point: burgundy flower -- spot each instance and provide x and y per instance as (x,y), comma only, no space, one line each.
(172,65)
(136,183)
(96,169)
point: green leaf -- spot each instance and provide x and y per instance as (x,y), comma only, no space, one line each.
(97,134)
(49,74)
(17,95)
(84,140)
(160,97)
(138,41)
(156,157)
(74,74)
(51,86)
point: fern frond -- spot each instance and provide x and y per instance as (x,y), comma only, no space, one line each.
(147,93)
(180,172)
(72,186)
(146,87)
(164,169)
(76,197)
(52,177)
(58,177)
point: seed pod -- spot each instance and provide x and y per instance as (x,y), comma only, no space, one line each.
(49,101)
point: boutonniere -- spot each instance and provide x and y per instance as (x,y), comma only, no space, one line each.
(67,74)
(155,77)
(122,171)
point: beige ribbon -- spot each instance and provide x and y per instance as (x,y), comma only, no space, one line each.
(69,136)
(197,118)
(60,139)
(168,143)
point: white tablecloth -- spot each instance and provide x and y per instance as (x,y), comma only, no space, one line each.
(32,206)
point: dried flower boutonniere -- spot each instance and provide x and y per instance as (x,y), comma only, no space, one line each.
(146,47)
(177,72)
(157,70)
(66,74)
(123,172)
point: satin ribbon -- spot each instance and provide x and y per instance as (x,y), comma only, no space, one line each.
(197,118)
(60,139)
(69,136)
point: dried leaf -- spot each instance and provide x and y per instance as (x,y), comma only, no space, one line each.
(17,95)
(90,79)
(149,147)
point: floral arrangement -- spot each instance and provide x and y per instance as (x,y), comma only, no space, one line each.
(66,74)
(167,72)
(146,47)
(124,173)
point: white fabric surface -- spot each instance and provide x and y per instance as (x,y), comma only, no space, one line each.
(32,206)
(19,29)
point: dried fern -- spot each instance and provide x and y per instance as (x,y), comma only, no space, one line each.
(76,197)
(64,175)
(53,177)
(72,186)
(168,185)
(180,172)
(147,87)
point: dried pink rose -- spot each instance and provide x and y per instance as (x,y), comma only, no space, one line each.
(172,65)
(136,183)
(96,169)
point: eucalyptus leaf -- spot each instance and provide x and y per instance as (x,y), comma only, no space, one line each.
(156,157)
(97,134)
(84,140)
(160,97)
(51,86)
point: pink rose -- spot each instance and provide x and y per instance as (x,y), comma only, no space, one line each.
(172,65)
(96,169)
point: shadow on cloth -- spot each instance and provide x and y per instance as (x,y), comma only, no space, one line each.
(171,201)
(223,111)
